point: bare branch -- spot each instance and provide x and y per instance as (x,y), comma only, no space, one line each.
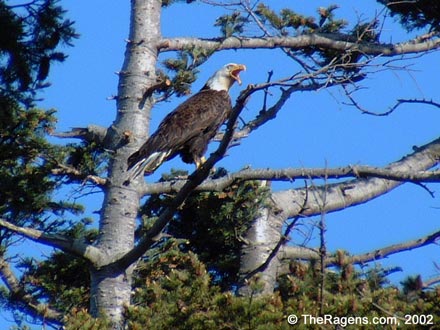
(74,246)
(419,101)
(399,103)
(161,85)
(323,77)
(292,174)
(36,309)
(91,133)
(339,42)
(354,192)
(388,250)
(431,282)
(73,172)
(302,253)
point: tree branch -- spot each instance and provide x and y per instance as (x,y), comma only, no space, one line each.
(17,291)
(73,172)
(292,174)
(91,133)
(74,246)
(399,103)
(358,191)
(431,282)
(339,42)
(295,252)
(387,251)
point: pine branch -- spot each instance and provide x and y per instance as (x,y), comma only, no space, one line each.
(340,42)
(18,293)
(74,246)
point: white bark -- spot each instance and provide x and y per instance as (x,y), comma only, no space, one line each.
(339,42)
(258,255)
(111,285)
(262,253)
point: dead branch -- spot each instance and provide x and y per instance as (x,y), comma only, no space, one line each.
(160,86)
(312,80)
(388,250)
(357,191)
(431,282)
(294,252)
(340,42)
(73,172)
(292,174)
(76,247)
(399,103)
(91,133)
(17,290)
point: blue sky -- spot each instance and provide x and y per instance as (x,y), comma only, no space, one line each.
(315,129)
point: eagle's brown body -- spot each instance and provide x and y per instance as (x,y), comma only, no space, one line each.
(188,129)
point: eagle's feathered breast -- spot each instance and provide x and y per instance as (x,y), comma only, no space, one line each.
(188,129)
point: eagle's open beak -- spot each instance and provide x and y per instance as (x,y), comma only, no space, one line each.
(235,72)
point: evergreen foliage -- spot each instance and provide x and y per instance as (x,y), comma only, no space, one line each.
(35,31)
(183,70)
(189,279)
(166,3)
(174,290)
(31,169)
(231,24)
(27,159)
(212,224)
(186,282)
(289,23)
(415,14)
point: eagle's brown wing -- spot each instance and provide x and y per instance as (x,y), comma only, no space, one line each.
(201,114)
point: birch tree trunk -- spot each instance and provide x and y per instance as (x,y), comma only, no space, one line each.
(259,252)
(264,249)
(111,284)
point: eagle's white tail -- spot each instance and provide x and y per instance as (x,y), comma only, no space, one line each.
(148,164)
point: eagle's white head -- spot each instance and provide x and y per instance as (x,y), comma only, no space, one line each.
(224,78)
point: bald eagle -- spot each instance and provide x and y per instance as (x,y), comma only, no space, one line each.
(187,130)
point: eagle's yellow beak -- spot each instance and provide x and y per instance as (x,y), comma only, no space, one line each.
(235,72)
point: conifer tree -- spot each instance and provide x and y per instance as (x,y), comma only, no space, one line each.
(208,249)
